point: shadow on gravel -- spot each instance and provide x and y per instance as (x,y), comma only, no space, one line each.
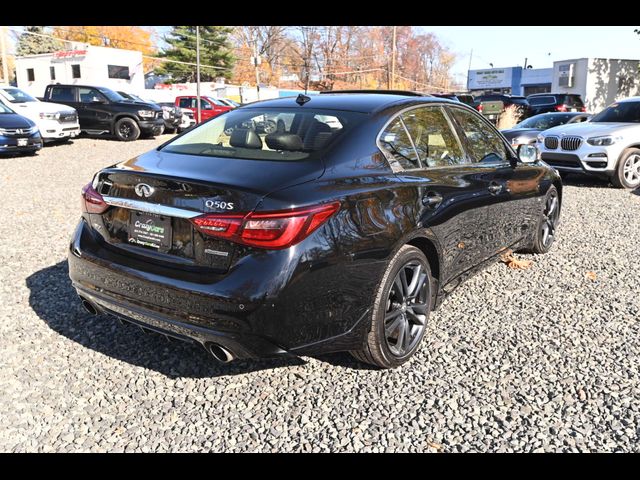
(578,180)
(55,301)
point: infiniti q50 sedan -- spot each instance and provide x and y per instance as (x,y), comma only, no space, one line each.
(341,230)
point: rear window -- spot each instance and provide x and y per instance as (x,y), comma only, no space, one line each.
(267,134)
(519,100)
(540,101)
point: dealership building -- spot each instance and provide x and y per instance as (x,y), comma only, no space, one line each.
(82,64)
(599,81)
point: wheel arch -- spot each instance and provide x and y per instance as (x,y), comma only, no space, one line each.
(428,247)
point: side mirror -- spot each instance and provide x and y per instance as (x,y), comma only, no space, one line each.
(527,153)
(98,100)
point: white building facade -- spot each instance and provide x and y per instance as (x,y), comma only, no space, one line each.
(599,81)
(82,64)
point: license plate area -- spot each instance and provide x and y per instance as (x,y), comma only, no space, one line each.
(23,142)
(150,230)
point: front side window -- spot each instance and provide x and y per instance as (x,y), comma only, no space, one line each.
(89,95)
(118,71)
(483,143)
(397,146)
(435,142)
(283,134)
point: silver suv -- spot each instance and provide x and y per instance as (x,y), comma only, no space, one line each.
(606,146)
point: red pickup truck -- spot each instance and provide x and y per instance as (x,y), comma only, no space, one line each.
(209,107)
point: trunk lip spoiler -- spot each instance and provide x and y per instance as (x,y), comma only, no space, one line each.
(147,207)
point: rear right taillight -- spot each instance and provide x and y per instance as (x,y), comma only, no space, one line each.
(583,109)
(271,230)
(480,108)
(92,201)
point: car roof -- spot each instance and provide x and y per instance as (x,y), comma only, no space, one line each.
(629,99)
(354,102)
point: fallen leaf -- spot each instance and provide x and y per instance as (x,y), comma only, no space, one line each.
(434,445)
(515,263)
(591,275)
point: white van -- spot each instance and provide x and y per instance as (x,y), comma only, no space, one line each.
(55,121)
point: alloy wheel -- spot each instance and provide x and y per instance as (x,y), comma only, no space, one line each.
(549,219)
(407,308)
(631,170)
(125,130)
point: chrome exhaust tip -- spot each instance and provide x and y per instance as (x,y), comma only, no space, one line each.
(88,306)
(220,353)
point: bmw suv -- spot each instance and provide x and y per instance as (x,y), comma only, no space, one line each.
(340,230)
(606,146)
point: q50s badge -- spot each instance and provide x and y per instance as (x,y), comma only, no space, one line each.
(219,204)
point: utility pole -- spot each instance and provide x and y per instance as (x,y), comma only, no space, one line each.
(256,63)
(393,60)
(198,71)
(469,69)
(3,53)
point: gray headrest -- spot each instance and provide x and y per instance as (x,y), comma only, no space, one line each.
(245,138)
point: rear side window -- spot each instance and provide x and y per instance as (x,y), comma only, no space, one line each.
(284,134)
(185,103)
(435,142)
(62,94)
(397,146)
(483,143)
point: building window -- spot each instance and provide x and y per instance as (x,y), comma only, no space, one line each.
(52,72)
(75,71)
(31,76)
(117,71)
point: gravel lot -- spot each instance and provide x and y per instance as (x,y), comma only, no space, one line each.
(539,360)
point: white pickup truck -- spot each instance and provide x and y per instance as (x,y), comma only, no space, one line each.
(55,121)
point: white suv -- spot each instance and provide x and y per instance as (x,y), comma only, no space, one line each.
(55,121)
(607,146)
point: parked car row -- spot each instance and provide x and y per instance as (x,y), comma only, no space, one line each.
(65,111)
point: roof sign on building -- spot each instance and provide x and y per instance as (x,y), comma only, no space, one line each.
(69,54)
(493,78)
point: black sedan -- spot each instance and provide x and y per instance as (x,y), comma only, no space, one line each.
(18,134)
(527,131)
(341,230)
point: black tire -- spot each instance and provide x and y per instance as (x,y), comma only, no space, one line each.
(627,174)
(397,309)
(545,228)
(127,130)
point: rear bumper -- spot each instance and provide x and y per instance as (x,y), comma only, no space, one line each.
(255,310)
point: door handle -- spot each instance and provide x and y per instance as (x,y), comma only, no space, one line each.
(431,199)
(494,188)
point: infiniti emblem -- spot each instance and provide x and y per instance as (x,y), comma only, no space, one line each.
(144,190)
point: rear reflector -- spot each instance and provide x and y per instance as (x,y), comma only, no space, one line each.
(271,230)
(92,201)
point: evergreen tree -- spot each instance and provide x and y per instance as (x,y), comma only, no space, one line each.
(29,44)
(214,50)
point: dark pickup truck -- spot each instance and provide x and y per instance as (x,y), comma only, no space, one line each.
(103,111)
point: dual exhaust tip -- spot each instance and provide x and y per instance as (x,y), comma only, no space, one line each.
(220,353)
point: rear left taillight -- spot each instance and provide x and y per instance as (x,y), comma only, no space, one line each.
(561,108)
(271,230)
(583,109)
(480,108)
(92,201)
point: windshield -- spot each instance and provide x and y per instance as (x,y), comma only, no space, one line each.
(5,109)
(624,112)
(285,134)
(111,95)
(544,122)
(15,95)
